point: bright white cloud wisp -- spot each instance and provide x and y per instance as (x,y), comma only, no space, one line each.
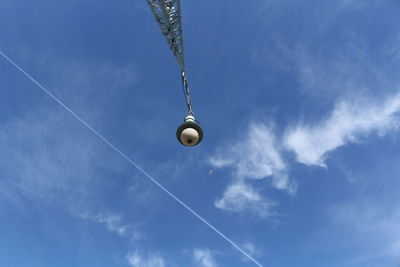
(204,257)
(241,198)
(136,259)
(349,122)
(114,223)
(256,157)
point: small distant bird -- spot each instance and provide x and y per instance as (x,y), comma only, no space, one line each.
(210,172)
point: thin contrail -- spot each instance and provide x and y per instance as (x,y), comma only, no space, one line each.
(131,161)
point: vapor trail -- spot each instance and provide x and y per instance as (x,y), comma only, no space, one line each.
(95,132)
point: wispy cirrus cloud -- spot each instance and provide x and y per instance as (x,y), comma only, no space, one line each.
(257,156)
(261,155)
(365,104)
(349,122)
(61,173)
(392,48)
(137,259)
(252,249)
(373,228)
(48,157)
(204,257)
(340,72)
(242,198)
(114,223)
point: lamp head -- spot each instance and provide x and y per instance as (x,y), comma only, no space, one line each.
(189,133)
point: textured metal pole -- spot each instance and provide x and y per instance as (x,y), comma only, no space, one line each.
(168,16)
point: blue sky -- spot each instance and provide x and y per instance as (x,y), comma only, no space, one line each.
(299,102)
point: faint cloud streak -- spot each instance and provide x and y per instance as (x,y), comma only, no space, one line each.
(204,257)
(114,223)
(241,198)
(374,227)
(136,259)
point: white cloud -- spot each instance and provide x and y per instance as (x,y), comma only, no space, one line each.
(241,198)
(135,259)
(256,157)
(114,223)
(251,249)
(349,121)
(204,257)
(352,4)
